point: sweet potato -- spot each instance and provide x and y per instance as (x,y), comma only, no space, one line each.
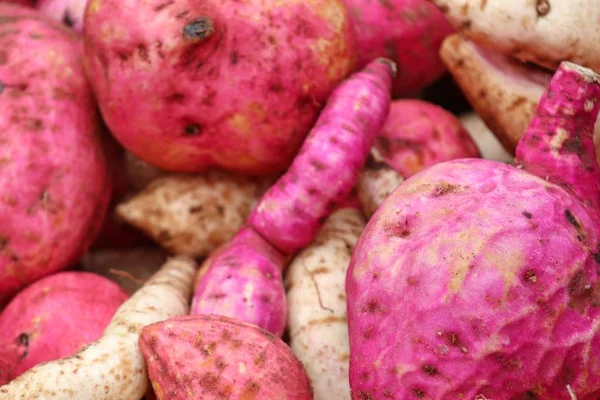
(53,318)
(213,358)
(486,141)
(544,32)
(408,32)
(375,182)
(235,85)
(327,166)
(485,276)
(192,215)
(317,304)
(69,12)
(54,184)
(112,368)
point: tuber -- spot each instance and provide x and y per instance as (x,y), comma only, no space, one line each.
(485,276)
(214,358)
(112,368)
(234,85)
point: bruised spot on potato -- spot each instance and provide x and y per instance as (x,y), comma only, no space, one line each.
(234,57)
(530,276)
(444,188)
(23,340)
(542,8)
(430,370)
(527,214)
(67,19)
(418,392)
(198,29)
(582,292)
(571,219)
(192,130)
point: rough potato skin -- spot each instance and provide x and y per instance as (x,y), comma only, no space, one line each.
(418,134)
(53,318)
(54,184)
(69,12)
(187,85)
(485,278)
(213,358)
(408,32)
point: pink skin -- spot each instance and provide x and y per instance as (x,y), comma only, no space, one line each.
(240,94)
(418,134)
(561,133)
(54,184)
(69,12)
(214,358)
(485,278)
(409,32)
(22,2)
(243,281)
(326,169)
(53,318)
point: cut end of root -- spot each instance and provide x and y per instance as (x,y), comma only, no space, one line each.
(392,65)
(198,29)
(589,75)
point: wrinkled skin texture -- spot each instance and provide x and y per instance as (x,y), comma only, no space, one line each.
(242,280)
(418,134)
(53,318)
(54,185)
(240,90)
(213,358)
(69,12)
(326,168)
(409,32)
(485,278)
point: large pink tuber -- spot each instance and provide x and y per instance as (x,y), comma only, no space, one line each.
(409,32)
(214,358)
(237,85)
(54,184)
(484,276)
(53,318)
(327,166)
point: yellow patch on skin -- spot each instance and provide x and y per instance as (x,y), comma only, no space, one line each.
(240,123)
(94,6)
(158,390)
(558,140)
(333,54)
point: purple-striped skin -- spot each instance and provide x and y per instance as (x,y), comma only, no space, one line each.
(561,133)
(476,279)
(243,280)
(327,166)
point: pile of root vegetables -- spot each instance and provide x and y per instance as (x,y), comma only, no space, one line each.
(273,200)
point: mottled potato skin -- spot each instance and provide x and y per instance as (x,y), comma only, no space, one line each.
(54,185)
(485,279)
(241,94)
(53,318)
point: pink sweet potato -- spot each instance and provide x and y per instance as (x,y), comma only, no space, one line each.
(53,318)
(418,134)
(54,185)
(327,166)
(214,358)
(242,280)
(23,2)
(409,32)
(485,276)
(189,85)
(69,12)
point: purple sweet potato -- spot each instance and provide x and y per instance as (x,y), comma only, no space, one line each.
(54,184)
(214,358)
(485,276)
(242,280)
(190,85)
(409,32)
(326,169)
(53,318)
(69,12)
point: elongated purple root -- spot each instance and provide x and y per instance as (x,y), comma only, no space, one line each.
(217,358)
(327,166)
(558,144)
(243,280)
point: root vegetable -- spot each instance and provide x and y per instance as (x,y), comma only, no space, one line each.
(408,32)
(113,367)
(486,141)
(243,281)
(235,85)
(54,184)
(544,32)
(192,215)
(317,304)
(130,268)
(53,318)
(375,182)
(485,276)
(327,166)
(228,359)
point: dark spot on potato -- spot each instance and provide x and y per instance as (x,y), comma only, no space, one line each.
(196,209)
(3,242)
(122,55)
(192,130)
(527,214)
(209,380)
(67,19)
(318,165)
(364,396)
(571,219)
(444,188)
(143,52)
(23,340)
(530,276)
(542,8)
(364,376)
(175,97)
(234,57)
(371,307)
(369,333)
(430,370)
(420,393)
(217,296)
(582,292)
(276,87)
(198,29)
(164,5)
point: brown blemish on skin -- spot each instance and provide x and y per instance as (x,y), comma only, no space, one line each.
(250,391)
(199,29)
(420,393)
(430,370)
(192,130)
(582,292)
(573,221)
(530,276)
(542,8)
(483,5)
(443,188)
(527,214)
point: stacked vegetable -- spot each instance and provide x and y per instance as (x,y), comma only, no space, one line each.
(257,200)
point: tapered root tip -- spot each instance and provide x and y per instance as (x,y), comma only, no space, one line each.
(589,75)
(392,65)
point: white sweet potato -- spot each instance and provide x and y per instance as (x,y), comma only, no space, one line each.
(112,368)
(375,182)
(315,285)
